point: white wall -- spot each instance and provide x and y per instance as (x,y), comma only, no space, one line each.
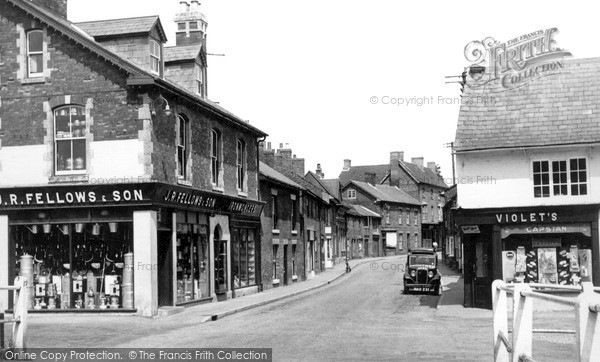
(116,161)
(504,178)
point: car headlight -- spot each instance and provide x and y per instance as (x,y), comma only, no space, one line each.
(413,273)
(430,274)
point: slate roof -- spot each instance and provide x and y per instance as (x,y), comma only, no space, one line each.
(113,27)
(558,109)
(333,187)
(382,173)
(423,175)
(357,173)
(183,52)
(361,211)
(315,190)
(386,193)
(270,173)
(137,75)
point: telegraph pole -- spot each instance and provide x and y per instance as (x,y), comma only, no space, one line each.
(451,146)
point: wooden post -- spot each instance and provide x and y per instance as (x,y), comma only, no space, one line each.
(499,305)
(1,332)
(587,326)
(522,323)
(19,331)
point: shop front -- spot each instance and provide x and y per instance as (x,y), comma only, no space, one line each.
(550,245)
(124,248)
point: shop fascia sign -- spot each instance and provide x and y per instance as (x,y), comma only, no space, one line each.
(71,196)
(526,217)
(548,229)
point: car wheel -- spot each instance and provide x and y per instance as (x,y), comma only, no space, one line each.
(436,290)
(406,290)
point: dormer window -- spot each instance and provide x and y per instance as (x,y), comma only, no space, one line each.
(154,56)
(35,53)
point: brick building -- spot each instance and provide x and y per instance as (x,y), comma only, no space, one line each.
(420,182)
(283,247)
(400,221)
(363,233)
(120,188)
(528,202)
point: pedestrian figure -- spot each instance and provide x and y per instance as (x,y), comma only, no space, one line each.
(348,269)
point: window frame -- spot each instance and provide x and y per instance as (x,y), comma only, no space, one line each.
(551,175)
(351,194)
(199,80)
(216,156)
(71,139)
(30,53)
(182,169)
(241,164)
(155,58)
(275,212)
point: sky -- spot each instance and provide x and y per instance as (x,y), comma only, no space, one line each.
(321,75)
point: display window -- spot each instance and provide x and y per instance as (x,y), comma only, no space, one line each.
(192,263)
(244,257)
(76,266)
(557,258)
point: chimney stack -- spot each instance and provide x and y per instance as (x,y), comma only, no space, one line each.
(191,24)
(431,166)
(298,166)
(58,7)
(418,161)
(395,158)
(319,172)
(347,165)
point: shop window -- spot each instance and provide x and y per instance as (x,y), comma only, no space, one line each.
(192,262)
(83,266)
(70,140)
(182,146)
(241,165)
(220,248)
(578,176)
(154,56)
(351,194)
(244,257)
(541,179)
(35,53)
(216,158)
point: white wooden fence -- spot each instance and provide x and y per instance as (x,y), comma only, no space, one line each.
(19,319)
(519,347)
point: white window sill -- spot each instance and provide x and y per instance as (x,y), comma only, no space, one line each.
(218,189)
(275,231)
(184,182)
(33,80)
(68,178)
(294,232)
(242,193)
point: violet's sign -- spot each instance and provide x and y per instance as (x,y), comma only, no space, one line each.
(526,217)
(515,62)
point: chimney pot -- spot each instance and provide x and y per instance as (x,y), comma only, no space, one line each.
(183,6)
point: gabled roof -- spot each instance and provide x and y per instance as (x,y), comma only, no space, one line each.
(382,174)
(562,108)
(313,179)
(386,193)
(358,173)
(315,190)
(116,27)
(423,175)
(333,187)
(360,210)
(270,173)
(137,75)
(181,53)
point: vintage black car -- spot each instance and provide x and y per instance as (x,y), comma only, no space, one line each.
(421,272)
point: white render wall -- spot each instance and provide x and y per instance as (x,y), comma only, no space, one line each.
(504,178)
(117,161)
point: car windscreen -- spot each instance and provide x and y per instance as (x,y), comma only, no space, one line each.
(422,260)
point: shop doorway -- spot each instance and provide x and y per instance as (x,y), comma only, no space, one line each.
(328,254)
(220,247)
(165,268)
(478,271)
(285,265)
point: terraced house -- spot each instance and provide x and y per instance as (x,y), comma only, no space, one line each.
(123,188)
